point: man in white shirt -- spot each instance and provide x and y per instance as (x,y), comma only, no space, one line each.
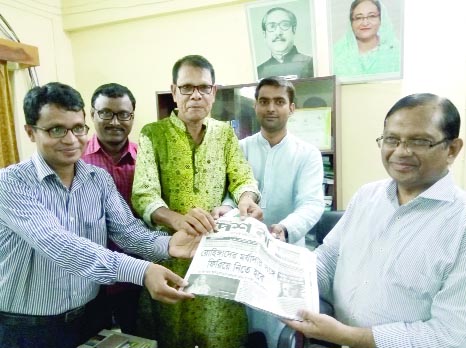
(394,266)
(289,172)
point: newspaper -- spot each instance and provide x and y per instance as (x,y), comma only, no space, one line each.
(244,263)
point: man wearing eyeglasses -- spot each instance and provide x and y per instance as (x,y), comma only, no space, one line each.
(186,164)
(279,28)
(56,213)
(112,111)
(394,266)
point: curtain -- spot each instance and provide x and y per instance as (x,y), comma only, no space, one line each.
(8,147)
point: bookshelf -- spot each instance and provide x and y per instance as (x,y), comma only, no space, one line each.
(315,119)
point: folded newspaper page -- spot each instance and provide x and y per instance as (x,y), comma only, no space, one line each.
(244,263)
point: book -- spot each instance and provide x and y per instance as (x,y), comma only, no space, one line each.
(113,339)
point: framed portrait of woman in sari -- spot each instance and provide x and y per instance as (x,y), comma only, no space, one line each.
(366,39)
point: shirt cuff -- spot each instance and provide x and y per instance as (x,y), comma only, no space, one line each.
(131,270)
(149,210)
(161,249)
(246,188)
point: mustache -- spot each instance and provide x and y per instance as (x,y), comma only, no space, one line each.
(113,127)
(278,38)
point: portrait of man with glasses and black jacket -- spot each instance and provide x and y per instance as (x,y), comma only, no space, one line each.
(279,28)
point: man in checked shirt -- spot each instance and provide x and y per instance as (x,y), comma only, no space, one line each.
(112,111)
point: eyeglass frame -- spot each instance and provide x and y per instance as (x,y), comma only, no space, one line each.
(66,130)
(278,25)
(195,88)
(369,18)
(431,144)
(115,114)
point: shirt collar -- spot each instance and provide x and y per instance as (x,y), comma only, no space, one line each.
(93,146)
(42,168)
(177,122)
(442,190)
(264,141)
(82,170)
(287,56)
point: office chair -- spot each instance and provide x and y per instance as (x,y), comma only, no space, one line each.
(288,337)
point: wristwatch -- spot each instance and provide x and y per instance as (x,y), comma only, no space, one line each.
(285,231)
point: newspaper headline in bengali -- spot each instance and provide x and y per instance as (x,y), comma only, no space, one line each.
(244,263)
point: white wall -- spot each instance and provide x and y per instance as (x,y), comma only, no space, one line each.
(140,52)
(38,24)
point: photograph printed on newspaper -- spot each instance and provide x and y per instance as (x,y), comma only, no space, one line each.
(243,262)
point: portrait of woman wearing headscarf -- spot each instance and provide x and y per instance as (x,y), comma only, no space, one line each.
(370,45)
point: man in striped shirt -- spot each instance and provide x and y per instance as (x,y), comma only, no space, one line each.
(56,213)
(112,111)
(394,266)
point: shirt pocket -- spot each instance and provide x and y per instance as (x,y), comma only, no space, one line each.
(96,230)
(414,275)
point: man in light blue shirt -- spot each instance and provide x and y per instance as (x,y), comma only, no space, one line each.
(394,266)
(55,215)
(290,174)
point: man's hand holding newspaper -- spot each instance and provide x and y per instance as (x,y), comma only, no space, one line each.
(243,262)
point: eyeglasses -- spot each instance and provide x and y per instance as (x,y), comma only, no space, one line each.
(189,89)
(283,25)
(411,145)
(370,18)
(120,115)
(61,132)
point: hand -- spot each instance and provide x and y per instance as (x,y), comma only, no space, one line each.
(278,232)
(196,221)
(163,284)
(248,207)
(183,245)
(326,328)
(218,212)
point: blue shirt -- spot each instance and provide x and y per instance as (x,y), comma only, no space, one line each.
(400,269)
(52,255)
(290,176)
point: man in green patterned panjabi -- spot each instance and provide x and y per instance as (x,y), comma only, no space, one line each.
(186,164)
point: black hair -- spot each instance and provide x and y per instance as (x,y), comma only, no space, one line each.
(193,60)
(113,90)
(277,82)
(291,16)
(357,2)
(451,121)
(57,93)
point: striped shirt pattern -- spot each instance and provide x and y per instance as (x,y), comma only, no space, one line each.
(400,269)
(51,238)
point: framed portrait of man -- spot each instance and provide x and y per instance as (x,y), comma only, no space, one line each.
(366,39)
(281,35)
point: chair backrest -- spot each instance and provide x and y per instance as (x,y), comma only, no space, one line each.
(327,221)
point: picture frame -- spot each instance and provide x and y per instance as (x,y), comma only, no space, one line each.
(288,49)
(385,60)
(313,125)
